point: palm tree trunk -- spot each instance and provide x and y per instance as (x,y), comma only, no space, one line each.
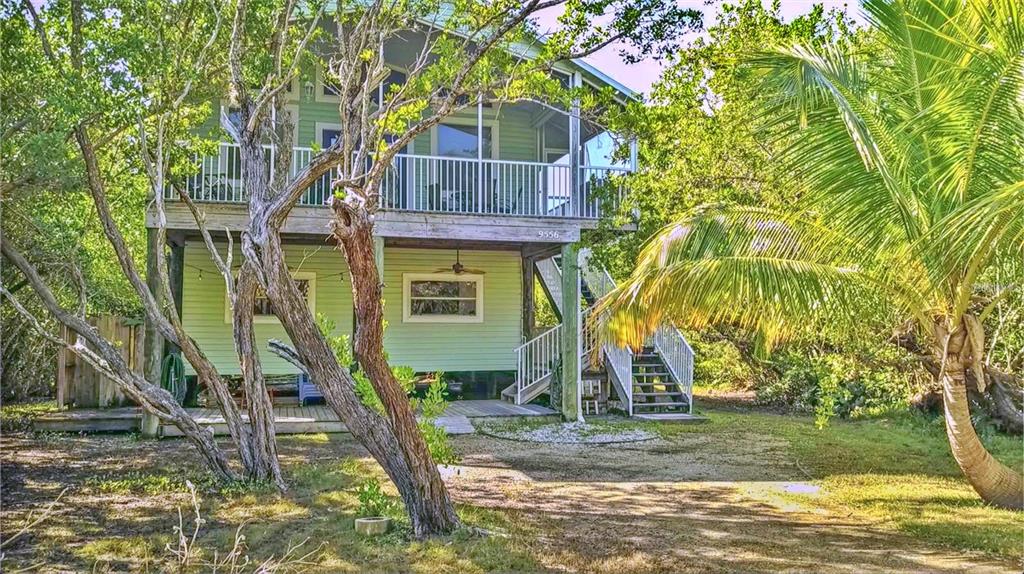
(996,483)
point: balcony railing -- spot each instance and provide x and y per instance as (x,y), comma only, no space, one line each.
(439,185)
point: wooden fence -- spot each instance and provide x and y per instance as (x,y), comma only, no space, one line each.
(78,383)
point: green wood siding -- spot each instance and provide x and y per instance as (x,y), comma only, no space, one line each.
(204,303)
(517,138)
(485,346)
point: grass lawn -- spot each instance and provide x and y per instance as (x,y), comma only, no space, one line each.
(896,470)
(749,490)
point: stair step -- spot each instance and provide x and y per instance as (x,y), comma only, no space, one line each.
(642,405)
(651,384)
(662,374)
(661,394)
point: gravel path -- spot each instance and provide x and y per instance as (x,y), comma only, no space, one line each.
(569,433)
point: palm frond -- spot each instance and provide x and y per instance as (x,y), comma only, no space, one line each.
(970,237)
(761,271)
(827,116)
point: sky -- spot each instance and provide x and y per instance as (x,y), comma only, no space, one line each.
(640,76)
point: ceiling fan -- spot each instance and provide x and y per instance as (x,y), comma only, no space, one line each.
(458,268)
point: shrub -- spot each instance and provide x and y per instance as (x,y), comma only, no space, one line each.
(431,406)
(720,365)
(372,500)
(839,384)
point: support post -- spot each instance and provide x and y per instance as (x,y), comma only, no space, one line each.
(153,342)
(176,268)
(570,333)
(529,304)
(480,152)
(575,179)
(378,256)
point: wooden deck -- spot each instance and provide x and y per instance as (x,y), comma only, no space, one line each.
(288,419)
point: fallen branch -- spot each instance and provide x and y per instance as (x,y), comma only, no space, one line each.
(47,512)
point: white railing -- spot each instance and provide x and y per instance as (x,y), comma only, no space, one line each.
(619,359)
(438,184)
(677,355)
(218,177)
(536,358)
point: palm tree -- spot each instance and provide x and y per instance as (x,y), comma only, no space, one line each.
(910,155)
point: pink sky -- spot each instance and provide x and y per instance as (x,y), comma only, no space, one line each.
(642,75)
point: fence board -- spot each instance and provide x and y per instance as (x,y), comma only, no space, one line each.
(79,385)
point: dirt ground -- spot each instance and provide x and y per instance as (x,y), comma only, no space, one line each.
(684,504)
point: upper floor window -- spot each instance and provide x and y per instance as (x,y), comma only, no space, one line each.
(231,118)
(443,298)
(395,78)
(458,140)
(327,89)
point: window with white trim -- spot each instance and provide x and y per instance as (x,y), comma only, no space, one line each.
(443,298)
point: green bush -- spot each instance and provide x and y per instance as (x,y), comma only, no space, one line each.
(850,374)
(431,406)
(839,384)
(372,500)
(720,365)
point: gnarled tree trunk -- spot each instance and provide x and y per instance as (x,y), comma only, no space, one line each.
(429,505)
(408,464)
(108,359)
(265,464)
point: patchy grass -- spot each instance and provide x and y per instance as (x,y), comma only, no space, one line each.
(705,497)
(17,417)
(133,482)
(896,472)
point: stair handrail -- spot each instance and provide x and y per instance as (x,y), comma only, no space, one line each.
(535,359)
(620,359)
(677,355)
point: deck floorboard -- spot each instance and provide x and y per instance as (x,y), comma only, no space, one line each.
(318,418)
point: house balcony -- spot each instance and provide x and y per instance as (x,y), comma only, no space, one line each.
(430,184)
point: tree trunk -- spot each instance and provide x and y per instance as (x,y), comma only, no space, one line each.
(1002,397)
(265,464)
(168,326)
(430,510)
(428,503)
(108,359)
(996,483)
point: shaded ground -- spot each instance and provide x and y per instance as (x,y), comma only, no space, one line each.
(742,493)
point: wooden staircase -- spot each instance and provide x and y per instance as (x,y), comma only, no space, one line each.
(653,383)
(654,389)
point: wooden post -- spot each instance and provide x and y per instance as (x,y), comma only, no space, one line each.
(575,177)
(176,269)
(570,333)
(378,256)
(529,304)
(65,369)
(153,343)
(480,152)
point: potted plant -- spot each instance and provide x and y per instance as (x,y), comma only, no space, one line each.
(373,507)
